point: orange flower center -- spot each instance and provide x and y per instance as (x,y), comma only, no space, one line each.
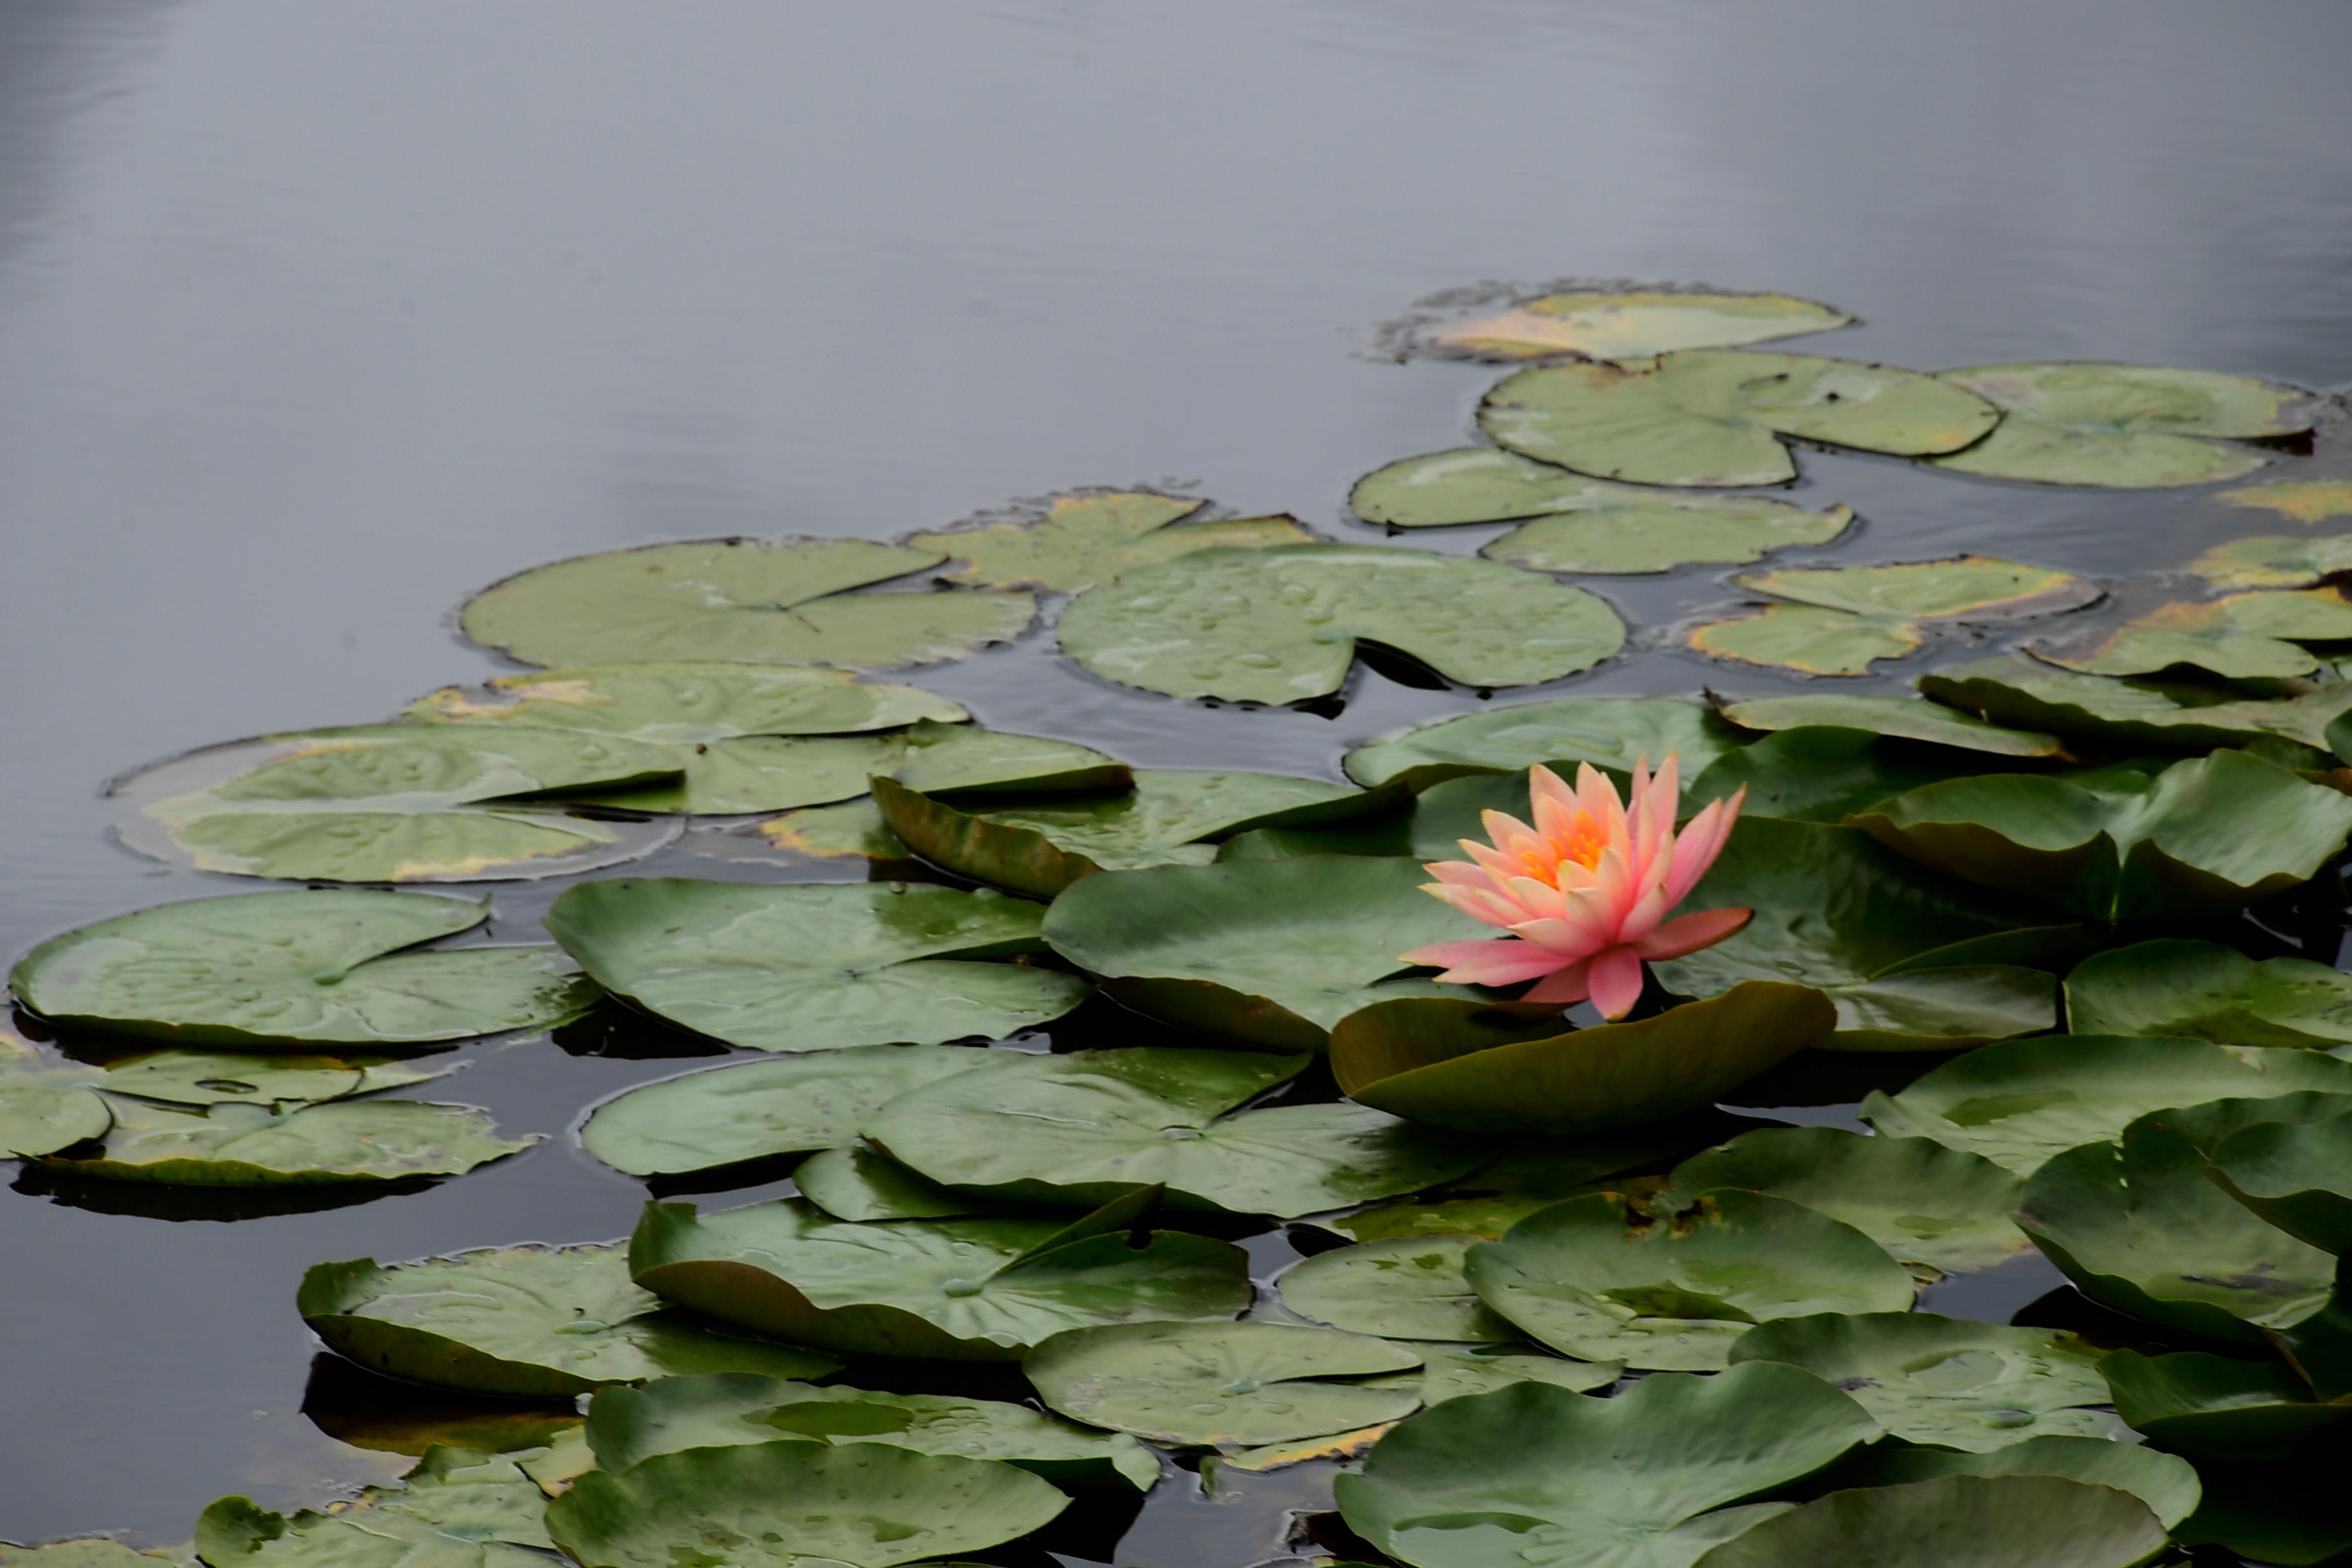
(1585,843)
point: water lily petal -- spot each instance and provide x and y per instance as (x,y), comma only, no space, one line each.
(1563,989)
(1598,798)
(1499,960)
(1616,976)
(1644,917)
(1565,938)
(1481,904)
(1700,843)
(1688,934)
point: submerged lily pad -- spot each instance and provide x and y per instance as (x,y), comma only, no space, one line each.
(1224,1383)
(1486,1069)
(1604,1279)
(2122,424)
(235,1145)
(1271,952)
(2240,636)
(458,1508)
(815,967)
(1839,620)
(2220,1406)
(1281,624)
(524,1322)
(1956,1522)
(753,1110)
(1087,1126)
(1081,540)
(1598,325)
(1943,1382)
(2207,992)
(2165,1483)
(797,1505)
(1551,1478)
(316,967)
(1904,718)
(754,601)
(1610,733)
(2306,500)
(1404,1287)
(1711,416)
(2276,560)
(971,1290)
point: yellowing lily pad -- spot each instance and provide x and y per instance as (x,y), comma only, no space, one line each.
(1595,324)
(2122,424)
(2275,561)
(2242,636)
(1840,620)
(1083,540)
(2306,500)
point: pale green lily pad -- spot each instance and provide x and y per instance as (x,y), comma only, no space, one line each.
(38,1118)
(1280,625)
(1274,952)
(1610,733)
(1945,1383)
(2242,637)
(854,829)
(236,1145)
(1710,416)
(458,1509)
(2169,716)
(1604,1279)
(1545,1477)
(797,1505)
(1207,1385)
(1080,540)
(752,601)
(753,1110)
(1405,1288)
(959,760)
(2275,561)
(971,1290)
(686,704)
(762,773)
(1904,717)
(2207,992)
(214,1078)
(1799,637)
(2220,1406)
(1956,1522)
(315,967)
(1841,619)
(815,967)
(2304,501)
(859,1181)
(89,1552)
(1928,1205)
(2165,1483)
(1608,325)
(524,1322)
(2122,424)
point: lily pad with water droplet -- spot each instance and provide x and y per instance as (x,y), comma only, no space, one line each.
(753,601)
(524,1322)
(1209,1386)
(1620,325)
(2207,992)
(815,967)
(1904,718)
(1082,539)
(317,967)
(2275,561)
(2304,501)
(1956,1522)
(2242,637)
(2122,424)
(1281,624)
(237,1145)
(1405,1288)
(1717,417)
(456,1507)
(1610,733)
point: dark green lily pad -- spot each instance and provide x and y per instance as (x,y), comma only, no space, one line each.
(2274,561)
(458,1507)
(752,601)
(236,1145)
(1711,416)
(628,1425)
(1405,1288)
(1610,733)
(1554,1480)
(1207,1385)
(1597,324)
(1496,1197)
(1080,540)
(2274,1511)
(969,1289)
(1945,1383)
(2026,693)
(2018,1102)
(2218,1405)
(2240,636)
(2207,992)
(815,967)
(1274,952)
(1280,625)
(1956,1522)
(1819,774)
(797,1505)
(1605,1279)
(2165,1483)
(1906,718)
(524,1321)
(2122,424)
(859,1181)
(1928,1205)
(1461,1372)
(2295,1174)
(1087,1126)
(1482,1067)
(755,1109)
(326,967)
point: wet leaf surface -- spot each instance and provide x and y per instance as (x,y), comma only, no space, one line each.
(2207,992)
(1083,540)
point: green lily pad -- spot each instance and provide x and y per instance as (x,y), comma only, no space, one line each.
(1825,775)
(395,803)
(524,1321)
(2304,501)
(89,1552)
(859,1181)
(753,1110)
(1605,1279)
(762,773)
(797,1505)
(1711,416)
(752,601)
(2169,716)
(1956,1522)
(686,704)
(1405,1288)
(1459,1372)
(1943,1208)
(815,967)
(1799,637)
(1603,325)
(38,1118)
(1904,718)
(1497,1196)
(215,1078)
(1841,619)
(458,1507)
(627,1426)
(235,1145)
(1554,1480)
(2165,1483)
(1486,1068)
(1945,1383)
(1219,1384)
(1087,1126)
(2240,636)
(959,760)
(317,967)
(1610,733)
(2274,561)
(969,1289)
(1274,952)
(1280,625)
(2220,1406)
(2294,1174)
(854,829)
(2122,424)
(2207,992)
(1080,540)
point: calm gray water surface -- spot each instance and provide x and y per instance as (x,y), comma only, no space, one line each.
(314,316)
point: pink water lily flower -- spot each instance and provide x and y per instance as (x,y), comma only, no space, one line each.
(1584,893)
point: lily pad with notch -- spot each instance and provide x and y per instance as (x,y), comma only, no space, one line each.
(241,1145)
(457,1505)
(1604,324)
(1080,540)
(1610,733)
(2128,425)
(2205,991)
(1839,620)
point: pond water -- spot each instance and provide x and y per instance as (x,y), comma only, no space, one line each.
(315,318)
